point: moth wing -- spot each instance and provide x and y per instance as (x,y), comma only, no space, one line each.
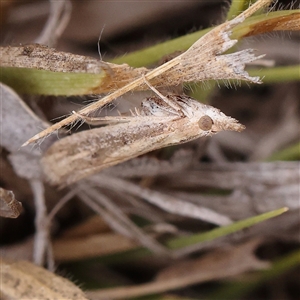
(88,152)
(108,120)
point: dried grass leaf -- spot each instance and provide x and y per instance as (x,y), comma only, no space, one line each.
(9,206)
(213,266)
(17,121)
(91,246)
(91,226)
(24,280)
(37,69)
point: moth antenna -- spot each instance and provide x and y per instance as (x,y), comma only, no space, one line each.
(171,103)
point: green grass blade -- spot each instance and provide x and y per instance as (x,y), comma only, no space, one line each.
(222,231)
(277,74)
(289,153)
(42,82)
(236,7)
(249,27)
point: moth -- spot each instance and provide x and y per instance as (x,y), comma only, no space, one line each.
(160,121)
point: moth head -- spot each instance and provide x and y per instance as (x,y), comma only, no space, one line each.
(215,121)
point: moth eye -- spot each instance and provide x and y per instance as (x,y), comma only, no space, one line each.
(205,123)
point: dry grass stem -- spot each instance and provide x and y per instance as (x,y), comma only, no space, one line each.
(165,202)
(60,13)
(119,221)
(42,234)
